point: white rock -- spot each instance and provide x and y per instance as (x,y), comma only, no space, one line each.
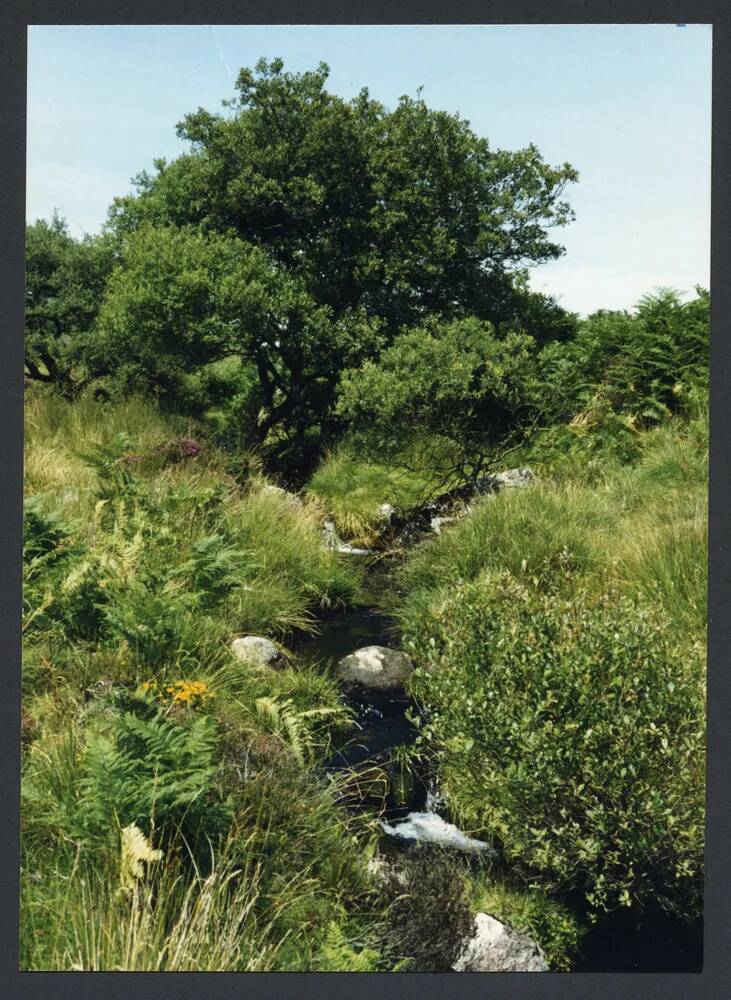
(495,947)
(256,650)
(376,667)
(386,511)
(284,494)
(437,522)
(515,477)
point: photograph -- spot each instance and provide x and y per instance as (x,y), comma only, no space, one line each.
(365,498)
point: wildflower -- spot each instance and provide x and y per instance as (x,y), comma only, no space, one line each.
(189,692)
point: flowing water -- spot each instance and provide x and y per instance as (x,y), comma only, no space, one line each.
(616,944)
(382,727)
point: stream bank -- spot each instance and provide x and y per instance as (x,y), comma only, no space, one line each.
(619,942)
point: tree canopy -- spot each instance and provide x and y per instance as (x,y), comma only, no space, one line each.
(456,384)
(300,233)
(403,212)
(65,281)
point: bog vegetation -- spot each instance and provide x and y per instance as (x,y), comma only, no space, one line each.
(331,296)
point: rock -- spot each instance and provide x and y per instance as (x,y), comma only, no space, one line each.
(437,522)
(515,477)
(257,651)
(386,512)
(509,478)
(495,947)
(376,668)
(333,541)
(283,494)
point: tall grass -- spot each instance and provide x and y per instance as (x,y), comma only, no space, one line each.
(175,920)
(641,528)
(352,489)
(143,562)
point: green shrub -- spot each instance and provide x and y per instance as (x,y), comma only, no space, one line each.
(646,364)
(571,733)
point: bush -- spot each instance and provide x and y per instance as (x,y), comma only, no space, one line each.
(646,364)
(456,382)
(571,733)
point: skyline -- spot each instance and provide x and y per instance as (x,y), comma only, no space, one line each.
(628,105)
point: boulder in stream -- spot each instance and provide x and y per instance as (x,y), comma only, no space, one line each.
(496,947)
(257,651)
(377,669)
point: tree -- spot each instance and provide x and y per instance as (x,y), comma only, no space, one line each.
(456,394)
(64,285)
(183,299)
(403,213)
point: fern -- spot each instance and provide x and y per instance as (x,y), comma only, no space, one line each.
(153,772)
(213,570)
(339,955)
(298,729)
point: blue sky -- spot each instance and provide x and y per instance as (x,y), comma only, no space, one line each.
(628,105)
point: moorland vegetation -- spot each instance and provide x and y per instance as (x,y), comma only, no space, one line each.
(320,308)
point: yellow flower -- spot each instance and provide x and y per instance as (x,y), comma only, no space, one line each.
(189,692)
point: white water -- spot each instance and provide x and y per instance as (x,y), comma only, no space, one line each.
(430,828)
(333,541)
(434,798)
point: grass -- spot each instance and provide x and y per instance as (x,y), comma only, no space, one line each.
(640,528)
(235,918)
(142,570)
(351,491)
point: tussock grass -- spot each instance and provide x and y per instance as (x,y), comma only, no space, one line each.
(351,490)
(174,921)
(641,528)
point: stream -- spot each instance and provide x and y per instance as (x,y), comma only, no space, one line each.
(615,944)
